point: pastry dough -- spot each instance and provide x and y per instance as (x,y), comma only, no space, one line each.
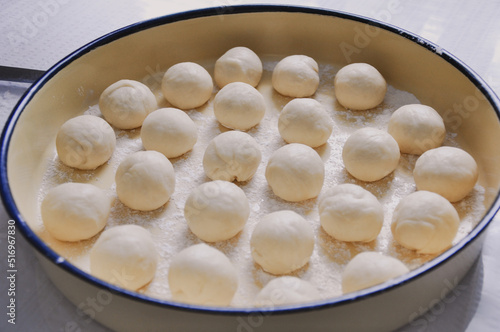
(239,64)
(286,290)
(296,76)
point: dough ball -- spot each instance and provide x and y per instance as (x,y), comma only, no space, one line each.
(417,128)
(282,242)
(305,120)
(169,131)
(370,154)
(350,213)
(368,269)
(359,86)
(145,180)
(126,103)
(202,275)
(296,76)
(239,64)
(295,172)
(85,142)
(239,106)
(286,290)
(125,256)
(75,211)
(425,221)
(187,85)
(232,155)
(216,210)
(450,172)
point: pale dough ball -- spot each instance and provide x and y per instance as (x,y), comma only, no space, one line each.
(232,155)
(75,211)
(425,221)
(417,128)
(305,120)
(169,131)
(370,154)
(296,76)
(187,85)
(239,106)
(282,242)
(359,86)
(202,275)
(350,213)
(216,210)
(85,142)
(126,103)
(125,256)
(286,290)
(239,64)
(145,180)
(368,269)
(450,172)
(295,172)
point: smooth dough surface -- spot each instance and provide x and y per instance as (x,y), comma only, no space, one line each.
(125,256)
(232,155)
(216,210)
(126,103)
(239,64)
(75,211)
(451,172)
(359,86)
(305,120)
(286,290)
(425,221)
(239,106)
(370,154)
(187,85)
(202,275)
(349,212)
(282,242)
(169,131)
(295,172)
(85,142)
(145,180)
(296,76)
(370,268)
(417,128)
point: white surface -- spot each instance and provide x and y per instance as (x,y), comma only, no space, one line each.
(38,34)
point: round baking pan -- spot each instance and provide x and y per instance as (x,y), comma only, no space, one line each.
(408,62)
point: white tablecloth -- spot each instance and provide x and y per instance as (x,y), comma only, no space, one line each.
(36,34)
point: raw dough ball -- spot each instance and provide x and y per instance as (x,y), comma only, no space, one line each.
(239,64)
(425,221)
(85,142)
(350,213)
(232,155)
(239,106)
(145,180)
(202,275)
(282,242)
(126,103)
(75,211)
(296,76)
(368,269)
(169,131)
(216,210)
(305,120)
(286,290)
(187,85)
(448,171)
(370,154)
(359,86)
(417,128)
(125,256)
(295,172)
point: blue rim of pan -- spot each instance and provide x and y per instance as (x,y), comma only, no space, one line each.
(42,248)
